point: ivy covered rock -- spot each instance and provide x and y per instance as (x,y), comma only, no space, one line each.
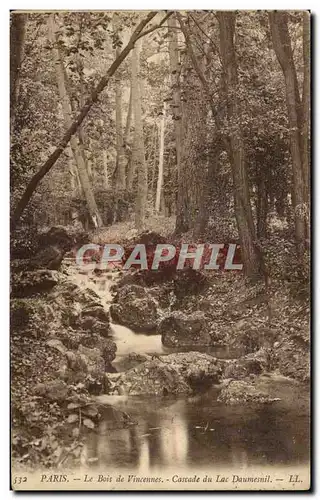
(185,330)
(238,392)
(135,308)
(181,373)
(55,390)
(251,364)
(28,283)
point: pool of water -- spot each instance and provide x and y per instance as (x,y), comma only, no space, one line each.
(199,432)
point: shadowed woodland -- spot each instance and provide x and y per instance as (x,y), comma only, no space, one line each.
(184,126)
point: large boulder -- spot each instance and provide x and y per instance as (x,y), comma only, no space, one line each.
(53,246)
(243,392)
(28,283)
(249,337)
(189,281)
(54,390)
(131,292)
(95,311)
(135,308)
(131,361)
(185,330)
(291,355)
(80,308)
(32,317)
(93,325)
(180,373)
(85,365)
(67,311)
(251,364)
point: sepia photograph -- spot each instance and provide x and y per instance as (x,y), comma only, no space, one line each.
(160,245)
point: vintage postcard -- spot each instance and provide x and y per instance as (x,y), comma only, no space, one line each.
(160,250)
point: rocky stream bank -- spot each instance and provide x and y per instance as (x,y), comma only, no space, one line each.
(64,351)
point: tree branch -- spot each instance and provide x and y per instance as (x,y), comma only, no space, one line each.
(156,26)
(196,66)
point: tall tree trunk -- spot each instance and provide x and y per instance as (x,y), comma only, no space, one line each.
(67,113)
(282,47)
(138,158)
(207,166)
(74,176)
(175,67)
(154,158)
(128,146)
(161,154)
(105,169)
(129,119)
(306,107)
(17,41)
(120,180)
(262,206)
(81,136)
(243,212)
(184,221)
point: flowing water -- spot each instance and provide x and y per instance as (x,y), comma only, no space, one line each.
(189,432)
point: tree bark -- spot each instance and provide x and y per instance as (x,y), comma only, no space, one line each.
(262,207)
(120,162)
(67,114)
(306,105)
(282,47)
(243,212)
(105,169)
(17,41)
(153,158)
(138,158)
(187,204)
(46,167)
(175,67)
(161,153)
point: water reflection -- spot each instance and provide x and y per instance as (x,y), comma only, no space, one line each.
(174,441)
(200,432)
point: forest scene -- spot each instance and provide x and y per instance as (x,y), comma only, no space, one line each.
(160,127)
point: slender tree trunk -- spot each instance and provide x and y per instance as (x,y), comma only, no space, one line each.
(243,212)
(81,136)
(306,106)
(138,159)
(282,47)
(153,159)
(105,169)
(204,196)
(67,113)
(138,32)
(129,119)
(161,153)
(74,176)
(129,147)
(127,144)
(262,207)
(120,162)
(17,41)
(175,67)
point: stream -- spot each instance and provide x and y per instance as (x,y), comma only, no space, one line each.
(197,431)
